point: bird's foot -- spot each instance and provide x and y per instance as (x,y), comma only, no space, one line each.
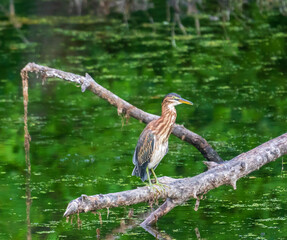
(157,188)
(161,186)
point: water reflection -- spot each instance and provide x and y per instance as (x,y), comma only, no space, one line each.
(126,225)
(156,233)
(132,222)
(28,197)
(13,19)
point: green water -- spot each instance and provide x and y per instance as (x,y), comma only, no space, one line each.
(234,73)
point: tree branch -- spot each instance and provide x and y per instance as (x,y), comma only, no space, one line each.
(167,206)
(122,106)
(177,191)
(174,191)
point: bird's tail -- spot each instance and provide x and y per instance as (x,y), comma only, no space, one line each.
(140,172)
(135,172)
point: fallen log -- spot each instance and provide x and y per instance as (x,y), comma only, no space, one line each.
(178,191)
(122,106)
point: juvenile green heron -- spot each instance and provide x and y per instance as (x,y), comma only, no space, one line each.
(152,145)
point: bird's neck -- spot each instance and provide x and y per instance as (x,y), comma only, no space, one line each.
(162,127)
(168,114)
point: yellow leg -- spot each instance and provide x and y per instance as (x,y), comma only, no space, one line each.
(162,186)
(154,176)
(148,176)
(152,187)
(157,182)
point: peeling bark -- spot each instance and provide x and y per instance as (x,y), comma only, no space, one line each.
(177,191)
(122,106)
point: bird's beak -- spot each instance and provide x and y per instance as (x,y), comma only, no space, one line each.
(182,100)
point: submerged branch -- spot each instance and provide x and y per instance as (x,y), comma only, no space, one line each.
(177,191)
(123,106)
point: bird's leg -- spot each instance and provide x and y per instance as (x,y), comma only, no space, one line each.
(154,176)
(152,187)
(148,176)
(156,180)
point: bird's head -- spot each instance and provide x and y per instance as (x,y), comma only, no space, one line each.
(174,99)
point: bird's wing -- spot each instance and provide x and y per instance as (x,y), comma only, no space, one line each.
(144,148)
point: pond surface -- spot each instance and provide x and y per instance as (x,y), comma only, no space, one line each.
(234,72)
